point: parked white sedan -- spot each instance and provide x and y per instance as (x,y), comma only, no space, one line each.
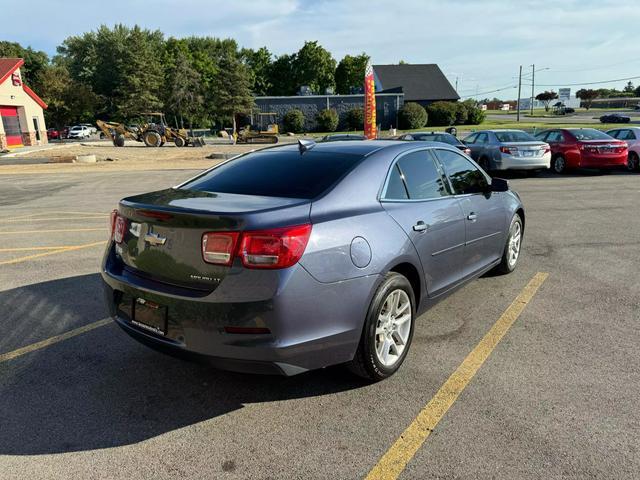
(80,131)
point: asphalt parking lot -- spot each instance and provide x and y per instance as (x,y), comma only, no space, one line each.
(556,398)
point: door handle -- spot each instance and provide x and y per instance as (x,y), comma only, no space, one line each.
(472,216)
(420,226)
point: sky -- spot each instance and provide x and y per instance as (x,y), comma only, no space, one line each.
(481,44)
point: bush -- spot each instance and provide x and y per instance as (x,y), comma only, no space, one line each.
(293,121)
(327,120)
(442,114)
(354,119)
(475,115)
(412,116)
(462,113)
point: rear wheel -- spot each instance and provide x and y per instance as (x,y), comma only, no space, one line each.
(388,330)
(511,252)
(152,139)
(559,164)
(633,162)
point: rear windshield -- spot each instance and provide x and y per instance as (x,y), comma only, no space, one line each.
(514,137)
(277,173)
(437,137)
(589,134)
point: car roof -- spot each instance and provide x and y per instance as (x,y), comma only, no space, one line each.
(360,147)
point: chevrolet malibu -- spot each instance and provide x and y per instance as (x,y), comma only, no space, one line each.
(298,257)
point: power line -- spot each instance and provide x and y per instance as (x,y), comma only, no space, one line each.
(585,83)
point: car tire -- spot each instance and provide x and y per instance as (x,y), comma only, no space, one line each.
(387,329)
(513,246)
(179,142)
(633,162)
(559,164)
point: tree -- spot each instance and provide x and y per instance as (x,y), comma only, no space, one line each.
(259,63)
(281,76)
(629,88)
(314,66)
(587,96)
(461,113)
(636,93)
(183,89)
(35,62)
(411,116)
(232,87)
(68,101)
(350,73)
(546,97)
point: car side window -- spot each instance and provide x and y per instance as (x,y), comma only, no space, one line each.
(541,136)
(615,133)
(555,136)
(482,138)
(420,177)
(625,135)
(465,177)
(471,138)
(396,189)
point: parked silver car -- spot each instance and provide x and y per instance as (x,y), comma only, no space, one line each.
(508,150)
(631,135)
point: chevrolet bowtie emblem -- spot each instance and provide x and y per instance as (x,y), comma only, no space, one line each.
(154,239)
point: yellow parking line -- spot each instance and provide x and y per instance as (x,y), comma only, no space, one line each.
(49,219)
(50,341)
(394,461)
(55,231)
(30,249)
(53,252)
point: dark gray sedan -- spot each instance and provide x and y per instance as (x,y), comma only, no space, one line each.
(299,257)
(508,150)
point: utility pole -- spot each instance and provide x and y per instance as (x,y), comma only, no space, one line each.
(519,90)
(456,84)
(533,82)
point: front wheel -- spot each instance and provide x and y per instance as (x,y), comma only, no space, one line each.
(388,330)
(511,252)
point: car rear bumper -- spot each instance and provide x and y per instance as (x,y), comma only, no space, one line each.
(311,324)
(603,161)
(509,162)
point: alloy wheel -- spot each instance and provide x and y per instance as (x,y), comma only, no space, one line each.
(513,249)
(393,327)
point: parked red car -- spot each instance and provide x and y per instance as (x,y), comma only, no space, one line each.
(583,148)
(53,134)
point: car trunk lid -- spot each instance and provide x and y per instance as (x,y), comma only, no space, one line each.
(162,237)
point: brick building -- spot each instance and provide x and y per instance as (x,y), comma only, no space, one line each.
(21,110)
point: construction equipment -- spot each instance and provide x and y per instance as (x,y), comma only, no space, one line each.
(153,131)
(266,131)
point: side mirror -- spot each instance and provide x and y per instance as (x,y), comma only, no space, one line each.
(499,185)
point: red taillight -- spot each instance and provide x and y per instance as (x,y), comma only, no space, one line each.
(508,150)
(119,229)
(219,247)
(275,248)
(546,149)
(112,223)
